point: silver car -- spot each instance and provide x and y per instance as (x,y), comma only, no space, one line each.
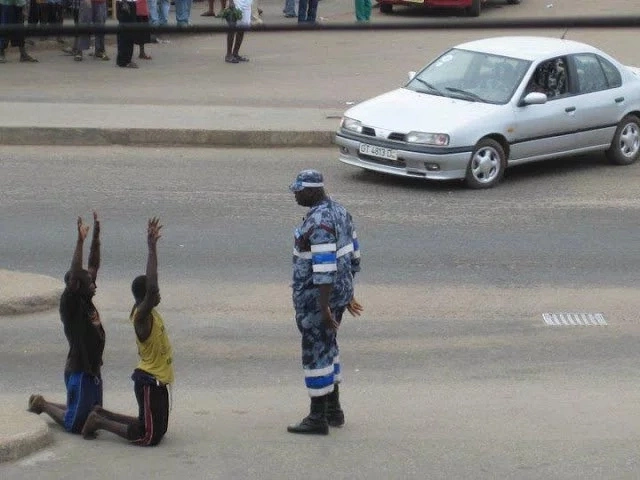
(488,104)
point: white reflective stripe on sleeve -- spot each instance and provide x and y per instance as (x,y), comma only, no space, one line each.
(311,184)
(323,247)
(324,267)
(356,254)
(344,250)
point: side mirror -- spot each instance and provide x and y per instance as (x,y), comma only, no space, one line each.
(411,75)
(534,98)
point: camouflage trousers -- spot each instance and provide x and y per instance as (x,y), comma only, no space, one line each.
(320,352)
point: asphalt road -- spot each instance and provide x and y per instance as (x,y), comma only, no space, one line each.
(451,372)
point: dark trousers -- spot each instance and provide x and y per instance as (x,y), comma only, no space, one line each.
(126,13)
(11,15)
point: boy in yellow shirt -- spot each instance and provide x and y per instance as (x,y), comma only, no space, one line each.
(154,374)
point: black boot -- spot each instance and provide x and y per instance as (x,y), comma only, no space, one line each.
(335,415)
(316,421)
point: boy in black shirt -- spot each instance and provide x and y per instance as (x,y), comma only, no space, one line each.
(86,338)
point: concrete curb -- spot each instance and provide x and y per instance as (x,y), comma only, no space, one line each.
(22,292)
(36,437)
(30,304)
(74,136)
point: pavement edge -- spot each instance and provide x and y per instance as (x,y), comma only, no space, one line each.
(78,136)
(14,447)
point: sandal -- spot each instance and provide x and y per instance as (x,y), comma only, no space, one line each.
(101,56)
(78,57)
(145,56)
(231,59)
(240,58)
(131,65)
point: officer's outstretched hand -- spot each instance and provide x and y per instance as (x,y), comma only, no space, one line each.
(354,308)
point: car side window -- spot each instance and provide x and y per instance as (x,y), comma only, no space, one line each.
(590,73)
(551,78)
(614,79)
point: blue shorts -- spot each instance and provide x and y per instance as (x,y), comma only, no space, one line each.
(84,391)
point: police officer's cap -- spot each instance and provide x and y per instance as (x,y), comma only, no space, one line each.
(307,179)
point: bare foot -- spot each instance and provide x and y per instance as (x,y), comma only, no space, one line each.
(90,426)
(36,404)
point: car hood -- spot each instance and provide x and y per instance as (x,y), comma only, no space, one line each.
(405,110)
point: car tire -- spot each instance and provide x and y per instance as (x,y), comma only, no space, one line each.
(625,146)
(386,7)
(487,164)
(474,9)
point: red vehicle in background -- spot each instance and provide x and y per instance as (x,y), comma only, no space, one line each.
(472,7)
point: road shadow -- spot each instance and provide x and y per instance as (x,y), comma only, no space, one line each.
(546,171)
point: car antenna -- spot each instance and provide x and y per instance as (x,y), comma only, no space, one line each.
(564,34)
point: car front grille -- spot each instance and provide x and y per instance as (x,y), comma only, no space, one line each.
(382,161)
(394,136)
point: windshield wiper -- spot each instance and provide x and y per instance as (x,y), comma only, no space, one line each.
(466,93)
(428,85)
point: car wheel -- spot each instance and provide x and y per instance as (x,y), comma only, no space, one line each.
(386,7)
(474,9)
(487,164)
(625,147)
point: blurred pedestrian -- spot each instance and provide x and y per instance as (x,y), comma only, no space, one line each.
(92,12)
(183,12)
(211,11)
(126,14)
(143,37)
(290,9)
(363,10)
(307,11)
(12,13)
(237,15)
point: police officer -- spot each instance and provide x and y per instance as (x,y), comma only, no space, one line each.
(326,257)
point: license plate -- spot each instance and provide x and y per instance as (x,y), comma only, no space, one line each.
(380,152)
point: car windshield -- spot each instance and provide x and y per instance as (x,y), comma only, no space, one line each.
(473,76)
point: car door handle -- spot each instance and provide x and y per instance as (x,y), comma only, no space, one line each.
(619,99)
(570,109)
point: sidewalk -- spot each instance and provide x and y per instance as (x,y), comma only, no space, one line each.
(21,432)
(186,96)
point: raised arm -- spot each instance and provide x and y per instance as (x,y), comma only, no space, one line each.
(94,252)
(76,261)
(143,320)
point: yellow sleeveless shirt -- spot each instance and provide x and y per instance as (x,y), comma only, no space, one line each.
(156,357)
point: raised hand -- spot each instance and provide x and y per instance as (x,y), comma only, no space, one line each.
(83,230)
(153,231)
(96,223)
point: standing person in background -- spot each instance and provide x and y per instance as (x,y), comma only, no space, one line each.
(126,14)
(74,6)
(363,10)
(234,39)
(290,9)
(183,12)
(211,11)
(307,11)
(142,17)
(92,12)
(12,13)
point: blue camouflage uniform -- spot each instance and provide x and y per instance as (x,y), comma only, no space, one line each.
(326,252)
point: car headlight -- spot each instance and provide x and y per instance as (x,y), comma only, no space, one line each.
(437,139)
(351,124)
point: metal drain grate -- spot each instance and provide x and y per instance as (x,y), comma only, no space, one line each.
(584,319)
